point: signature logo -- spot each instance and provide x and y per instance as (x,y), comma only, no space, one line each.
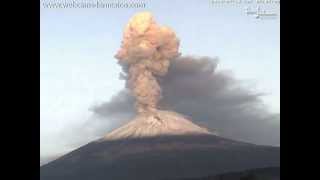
(260,13)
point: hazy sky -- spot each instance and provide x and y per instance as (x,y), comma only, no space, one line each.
(78,69)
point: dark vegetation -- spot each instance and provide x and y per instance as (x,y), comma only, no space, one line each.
(271,173)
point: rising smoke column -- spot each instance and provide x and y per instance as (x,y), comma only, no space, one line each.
(145,54)
(195,87)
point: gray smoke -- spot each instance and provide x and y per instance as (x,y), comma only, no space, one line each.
(211,98)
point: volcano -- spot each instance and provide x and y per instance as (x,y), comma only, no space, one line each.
(159,146)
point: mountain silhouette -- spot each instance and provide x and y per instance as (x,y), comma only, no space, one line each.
(161,146)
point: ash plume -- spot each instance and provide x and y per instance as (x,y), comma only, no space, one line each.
(157,77)
(145,55)
(213,98)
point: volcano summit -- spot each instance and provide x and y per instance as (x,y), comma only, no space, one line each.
(158,124)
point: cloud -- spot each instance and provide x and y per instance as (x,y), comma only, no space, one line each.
(146,51)
(211,98)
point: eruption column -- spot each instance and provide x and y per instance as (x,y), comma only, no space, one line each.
(145,54)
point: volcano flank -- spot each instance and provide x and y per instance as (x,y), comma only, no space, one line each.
(167,147)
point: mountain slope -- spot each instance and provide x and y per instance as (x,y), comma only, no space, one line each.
(159,123)
(164,146)
(270,173)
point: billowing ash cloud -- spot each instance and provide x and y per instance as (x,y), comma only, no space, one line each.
(211,98)
(145,54)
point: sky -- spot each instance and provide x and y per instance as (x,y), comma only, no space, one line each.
(78,70)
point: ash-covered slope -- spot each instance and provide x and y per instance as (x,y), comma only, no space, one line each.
(160,146)
(158,123)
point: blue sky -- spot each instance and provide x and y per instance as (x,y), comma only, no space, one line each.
(78,69)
